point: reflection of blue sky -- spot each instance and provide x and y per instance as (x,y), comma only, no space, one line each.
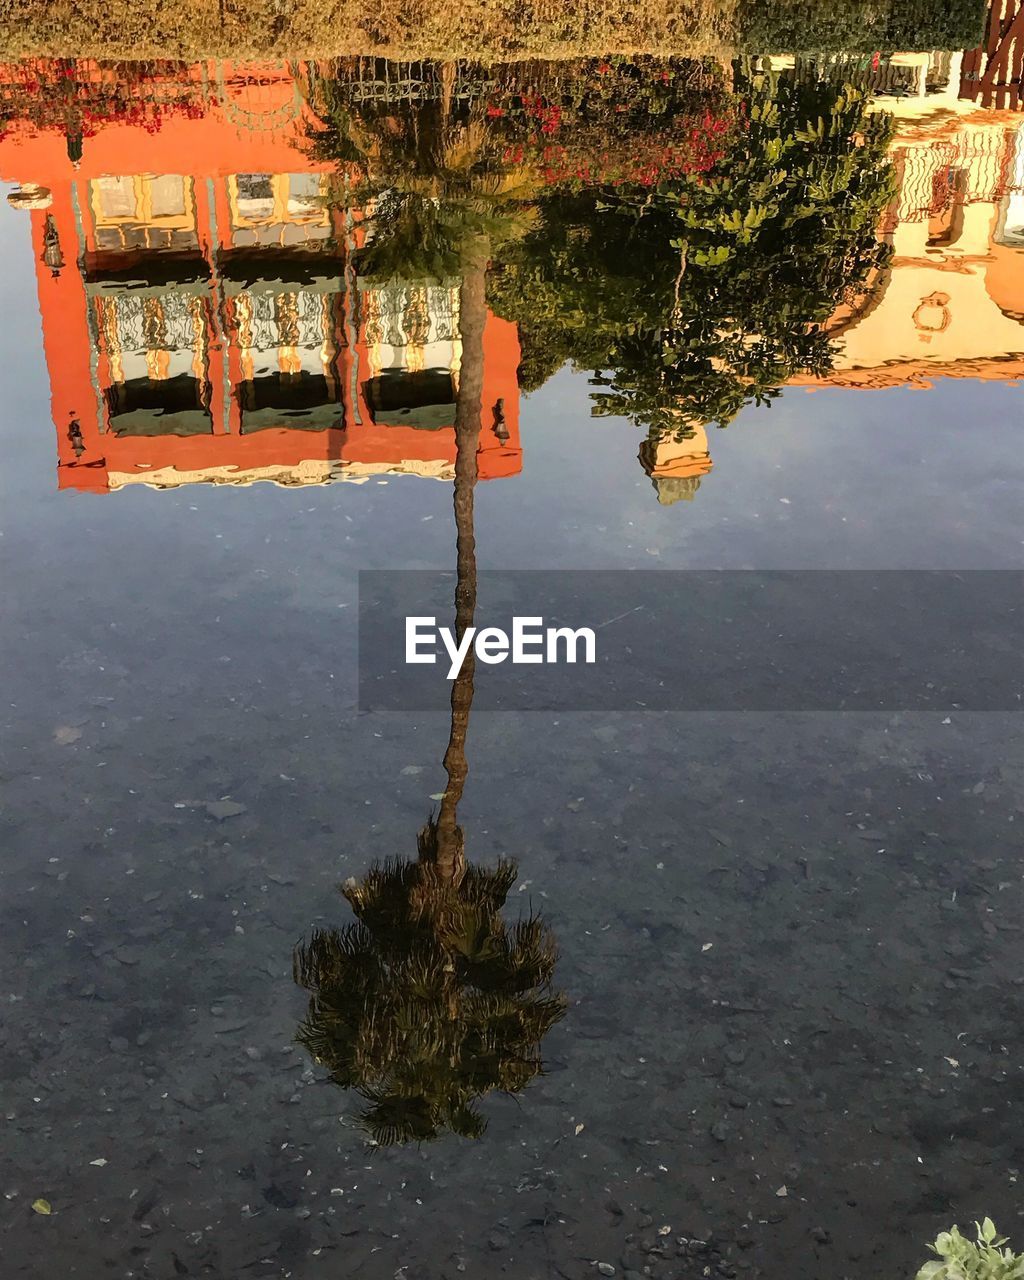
(835,478)
(24,387)
(838,478)
(202,642)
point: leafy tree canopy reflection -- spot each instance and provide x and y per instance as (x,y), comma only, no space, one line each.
(680,229)
(692,296)
(787,26)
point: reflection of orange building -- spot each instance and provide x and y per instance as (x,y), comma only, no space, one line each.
(203,318)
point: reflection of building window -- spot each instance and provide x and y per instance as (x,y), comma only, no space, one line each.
(287,209)
(950,192)
(115,197)
(140,211)
(255,196)
(178,405)
(304,194)
(167,194)
(1010,224)
(288,348)
(424,399)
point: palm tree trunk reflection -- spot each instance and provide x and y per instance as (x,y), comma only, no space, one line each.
(443,840)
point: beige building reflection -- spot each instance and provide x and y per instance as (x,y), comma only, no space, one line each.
(951,302)
(676,467)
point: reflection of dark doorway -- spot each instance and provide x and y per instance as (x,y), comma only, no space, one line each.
(424,399)
(949,195)
(303,400)
(177,406)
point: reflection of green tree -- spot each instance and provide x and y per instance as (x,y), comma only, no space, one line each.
(693,298)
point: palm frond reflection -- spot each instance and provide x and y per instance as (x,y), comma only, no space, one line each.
(430,1000)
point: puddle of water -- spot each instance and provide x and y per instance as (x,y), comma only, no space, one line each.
(741,992)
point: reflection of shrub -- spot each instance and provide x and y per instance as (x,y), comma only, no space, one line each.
(963,1259)
(75,96)
(602,97)
(789,26)
(690,297)
(490,29)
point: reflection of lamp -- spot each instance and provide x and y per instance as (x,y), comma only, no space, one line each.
(52,255)
(76,438)
(500,429)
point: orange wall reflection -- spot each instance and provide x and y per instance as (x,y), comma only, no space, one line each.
(203,319)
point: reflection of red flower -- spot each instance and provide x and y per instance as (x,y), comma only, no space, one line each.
(547,115)
(54,95)
(695,147)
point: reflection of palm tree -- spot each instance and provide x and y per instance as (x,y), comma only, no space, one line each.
(427,170)
(439,206)
(432,1000)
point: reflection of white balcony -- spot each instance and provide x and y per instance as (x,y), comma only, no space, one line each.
(1010,224)
(398,314)
(426,355)
(130,320)
(156,364)
(278,317)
